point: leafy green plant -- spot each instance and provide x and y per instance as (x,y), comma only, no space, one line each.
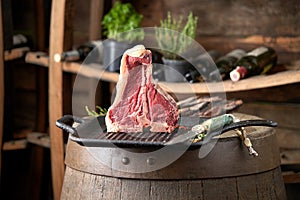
(101,112)
(174,37)
(120,21)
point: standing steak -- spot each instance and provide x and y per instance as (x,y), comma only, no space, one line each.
(139,101)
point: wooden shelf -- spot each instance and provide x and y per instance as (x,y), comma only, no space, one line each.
(40,139)
(255,82)
(15,53)
(37,58)
(91,70)
(251,83)
(15,145)
(291,177)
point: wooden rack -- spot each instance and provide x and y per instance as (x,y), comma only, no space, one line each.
(7,56)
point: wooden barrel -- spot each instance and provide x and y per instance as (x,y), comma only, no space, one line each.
(227,172)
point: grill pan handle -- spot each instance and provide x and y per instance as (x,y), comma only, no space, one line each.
(240,124)
(63,123)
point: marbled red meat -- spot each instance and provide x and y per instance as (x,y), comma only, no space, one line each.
(139,101)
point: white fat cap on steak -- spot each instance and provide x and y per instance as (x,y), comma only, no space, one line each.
(136,51)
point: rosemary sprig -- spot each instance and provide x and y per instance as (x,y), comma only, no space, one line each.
(102,111)
(174,37)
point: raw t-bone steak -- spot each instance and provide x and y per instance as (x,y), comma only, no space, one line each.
(139,101)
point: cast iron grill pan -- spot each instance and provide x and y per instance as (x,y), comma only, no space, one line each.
(92,132)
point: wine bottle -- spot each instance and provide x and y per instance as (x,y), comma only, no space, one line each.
(192,76)
(93,49)
(255,62)
(203,65)
(226,64)
(204,61)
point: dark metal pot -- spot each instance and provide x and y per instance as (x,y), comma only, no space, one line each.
(112,54)
(176,69)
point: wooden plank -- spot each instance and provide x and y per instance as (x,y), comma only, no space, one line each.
(92,71)
(246,183)
(37,58)
(68,24)
(113,189)
(279,188)
(82,185)
(255,82)
(141,187)
(290,156)
(40,24)
(40,139)
(214,188)
(224,25)
(194,189)
(286,47)
(164,190)
(289,44)
(57,30)
(71,183)
(15,53)
(96,13)
(232,18)
(265,185)
(291,178)
(251,83)
(15,145)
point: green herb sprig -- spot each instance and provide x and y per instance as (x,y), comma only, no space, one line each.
(120,21)
(173,38)
(101,112)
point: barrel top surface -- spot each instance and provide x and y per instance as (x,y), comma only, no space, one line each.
(227,157)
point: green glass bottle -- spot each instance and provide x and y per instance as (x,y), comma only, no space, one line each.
(255,62)
(226,64)
(202,67)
